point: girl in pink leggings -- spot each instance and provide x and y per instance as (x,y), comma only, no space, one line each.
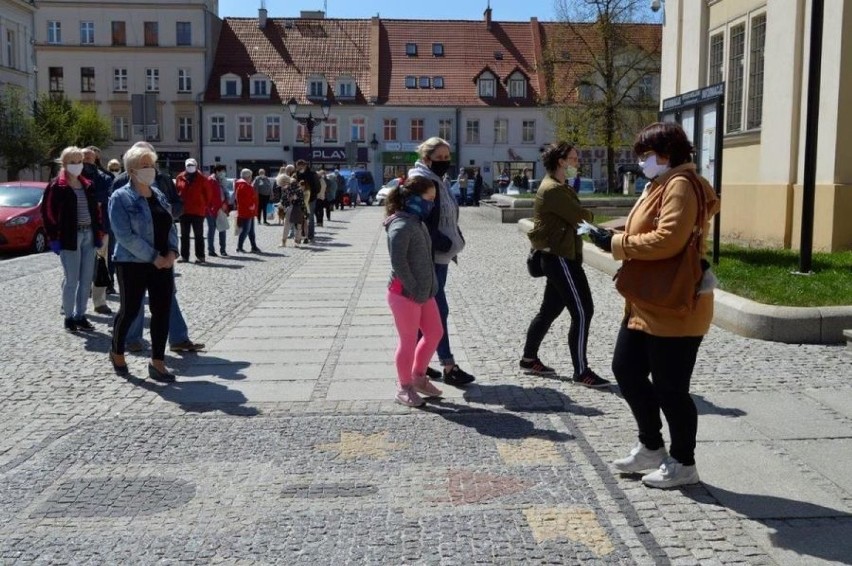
(412,288)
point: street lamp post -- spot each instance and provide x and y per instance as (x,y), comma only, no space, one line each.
(309,121)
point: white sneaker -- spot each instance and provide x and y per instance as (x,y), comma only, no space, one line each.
(406,395)
(640,459)
(424,387)
(671,474)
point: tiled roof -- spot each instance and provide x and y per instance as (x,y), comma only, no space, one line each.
(288,51)
(468,48)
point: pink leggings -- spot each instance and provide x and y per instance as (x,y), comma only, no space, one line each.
(412,356)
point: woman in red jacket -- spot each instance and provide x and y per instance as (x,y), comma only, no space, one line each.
(246,198)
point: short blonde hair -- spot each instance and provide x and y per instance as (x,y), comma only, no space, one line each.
(69,153)
(134,155)
(114,163)
(283,180)
(427,148)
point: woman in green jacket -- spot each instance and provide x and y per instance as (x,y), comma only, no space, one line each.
(556,215)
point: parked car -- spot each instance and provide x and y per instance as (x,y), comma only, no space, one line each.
(456,192)
(361,181)
(21,226)
(382,195)
(587,186)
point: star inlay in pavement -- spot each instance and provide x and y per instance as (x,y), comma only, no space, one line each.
(578,524)
(354,445)
(466,487)
(530,452)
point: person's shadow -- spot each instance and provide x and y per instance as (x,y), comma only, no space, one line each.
(706,407)
(827,538)
(506,426)
(527,399)
(199,396)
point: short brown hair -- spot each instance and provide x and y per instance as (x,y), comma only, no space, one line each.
(665,138)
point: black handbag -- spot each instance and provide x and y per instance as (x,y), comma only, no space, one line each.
(102,278)
(534,263)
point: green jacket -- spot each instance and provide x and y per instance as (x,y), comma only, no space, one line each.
(556,215)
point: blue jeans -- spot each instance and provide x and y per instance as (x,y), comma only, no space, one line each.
(445,354)
(211,233)
(78,268)
(312,208)
(247,229)
(178,331)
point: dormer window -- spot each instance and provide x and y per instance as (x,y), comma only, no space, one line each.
(316,87)
(425,82)
(231,86)
(260,87)
(517,85)
(345,87)
(410,81)
(411,49)
(438,49)
(487,85)
(438,82)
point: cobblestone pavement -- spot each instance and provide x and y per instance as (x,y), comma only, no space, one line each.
(280,444)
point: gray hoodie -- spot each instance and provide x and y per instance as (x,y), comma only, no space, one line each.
(448,223)
(410,249)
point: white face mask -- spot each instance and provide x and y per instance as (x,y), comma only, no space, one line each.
(651,169)
(190,168)
(146,175)
(74,169)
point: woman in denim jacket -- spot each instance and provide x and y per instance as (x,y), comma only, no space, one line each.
(145,253)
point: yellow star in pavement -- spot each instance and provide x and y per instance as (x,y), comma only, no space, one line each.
(578,524)
(354,445)
(530,452)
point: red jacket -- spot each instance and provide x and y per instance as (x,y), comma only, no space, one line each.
(194,194)
(246,198)
(214,196)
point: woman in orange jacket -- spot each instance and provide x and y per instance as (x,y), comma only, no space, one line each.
(246,200)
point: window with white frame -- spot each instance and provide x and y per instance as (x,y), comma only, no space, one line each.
(416,129)
(501,130)
(445,129)
(217,128)
(245,129)
(87,33)
(54,32)
(472,131)
(358,129)
(230,86)
(119,128)
(119,79)
(345,87)
(152,80)
(273,128)
(184,80)
(184,129)
(736,56)
(329,130)
(528,131)
(389,129)
(487,86)
(316,87)
(260,86)
(517,86)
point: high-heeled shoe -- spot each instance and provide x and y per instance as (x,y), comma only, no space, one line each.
(161,376)
(120,369)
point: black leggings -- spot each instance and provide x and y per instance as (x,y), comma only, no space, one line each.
(669,361)
(261,209)
(567,287)
(133,280)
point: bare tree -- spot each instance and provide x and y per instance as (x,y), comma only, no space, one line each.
(604,68)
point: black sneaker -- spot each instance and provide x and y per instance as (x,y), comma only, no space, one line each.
(433,373)
(83,324)
(590,379)
(212,254)
(223,253)
(456,376)
(70,326)
(535,367)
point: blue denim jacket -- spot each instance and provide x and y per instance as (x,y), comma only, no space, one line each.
(133,227)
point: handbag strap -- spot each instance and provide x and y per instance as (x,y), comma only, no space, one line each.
(701,213)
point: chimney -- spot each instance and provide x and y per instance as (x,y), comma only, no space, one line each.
(487,15)
(261,16)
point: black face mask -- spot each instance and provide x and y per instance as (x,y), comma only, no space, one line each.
(89,169)
(439,167)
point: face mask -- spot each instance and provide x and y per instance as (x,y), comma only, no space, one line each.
(146,175)
(439,168)
(418,206)
(651,169)
(74,169)
(220,175)
(190,168)
(570,172)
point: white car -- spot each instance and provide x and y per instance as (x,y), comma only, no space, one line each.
(382,195)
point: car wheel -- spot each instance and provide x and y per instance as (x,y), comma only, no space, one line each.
(39,244)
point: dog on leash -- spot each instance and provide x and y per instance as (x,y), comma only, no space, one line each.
(280,213)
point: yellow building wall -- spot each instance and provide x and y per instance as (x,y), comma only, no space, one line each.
(728,10)
(832,213)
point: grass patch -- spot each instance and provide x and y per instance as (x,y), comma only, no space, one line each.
(765,276)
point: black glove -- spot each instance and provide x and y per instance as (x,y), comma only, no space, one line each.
(602,239)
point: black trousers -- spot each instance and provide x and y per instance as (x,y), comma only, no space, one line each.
(196,222)
(669,361)
(329,206)
(261,210)
(319,207)
(133,280)
(567,288)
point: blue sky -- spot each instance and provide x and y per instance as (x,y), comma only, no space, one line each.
(505,10)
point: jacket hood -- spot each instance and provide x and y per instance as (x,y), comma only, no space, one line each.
(398,215)
(421,170)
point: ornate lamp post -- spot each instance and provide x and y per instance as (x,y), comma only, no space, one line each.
(309,121)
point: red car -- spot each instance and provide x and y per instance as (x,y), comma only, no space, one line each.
(21,226)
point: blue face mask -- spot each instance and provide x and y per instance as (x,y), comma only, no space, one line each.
(417,205)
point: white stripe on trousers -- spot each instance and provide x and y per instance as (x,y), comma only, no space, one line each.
(581,347)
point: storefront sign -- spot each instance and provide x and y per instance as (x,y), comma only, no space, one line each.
(328,154)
